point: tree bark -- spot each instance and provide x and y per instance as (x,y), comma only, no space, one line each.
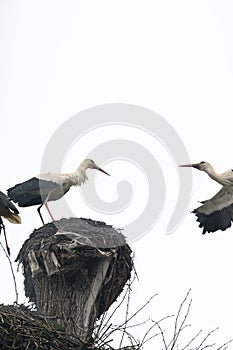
(71,305)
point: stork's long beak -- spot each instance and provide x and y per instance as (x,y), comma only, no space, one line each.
(196,165)
(98,168)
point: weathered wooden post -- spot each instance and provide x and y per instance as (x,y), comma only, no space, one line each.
(74,269)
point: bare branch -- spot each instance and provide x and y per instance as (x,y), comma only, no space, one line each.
(142,307)
(148,339)
(225,345)
(128,285)
(139,324)
(126,317)
(205,338)
(12,272)
(177,330)
(192,340)
(155,323)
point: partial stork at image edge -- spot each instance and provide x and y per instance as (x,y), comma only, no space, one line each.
(215,213)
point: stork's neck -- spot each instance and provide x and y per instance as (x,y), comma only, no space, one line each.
(211,172)
(79,177)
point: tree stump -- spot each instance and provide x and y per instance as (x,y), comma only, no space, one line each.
(74,269)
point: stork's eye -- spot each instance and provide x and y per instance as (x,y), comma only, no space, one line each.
(202,163)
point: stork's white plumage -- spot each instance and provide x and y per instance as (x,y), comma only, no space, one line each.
(10,212)
(49,187)
(217,212)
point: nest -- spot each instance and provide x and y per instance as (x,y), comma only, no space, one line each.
(74,269)
(21,328)
(74,246)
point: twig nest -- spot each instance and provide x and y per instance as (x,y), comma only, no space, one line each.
(74,261)
(21,328)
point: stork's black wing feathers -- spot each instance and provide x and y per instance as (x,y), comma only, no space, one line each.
(31,192)
(219,220)
(7,204)
(217,212)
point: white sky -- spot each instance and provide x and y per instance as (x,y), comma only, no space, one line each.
(174,57)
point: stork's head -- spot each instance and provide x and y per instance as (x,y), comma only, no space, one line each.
(89,163)
(204,166)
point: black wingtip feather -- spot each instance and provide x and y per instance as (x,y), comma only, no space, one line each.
(30,192)
(218,220)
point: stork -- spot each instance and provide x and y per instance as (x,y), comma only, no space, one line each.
(10,212)
(215,213)
(49,187)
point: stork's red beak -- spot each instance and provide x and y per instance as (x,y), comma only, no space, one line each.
(196,165)
(103,171)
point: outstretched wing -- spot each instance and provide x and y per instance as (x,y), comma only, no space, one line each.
(217,212)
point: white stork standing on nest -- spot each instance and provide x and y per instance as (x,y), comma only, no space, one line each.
(49,187)
(217,212)
(10,212)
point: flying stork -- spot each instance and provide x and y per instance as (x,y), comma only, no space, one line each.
(49,187)
(10,212)
(217,212)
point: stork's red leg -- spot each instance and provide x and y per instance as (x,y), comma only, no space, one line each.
(46,205)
